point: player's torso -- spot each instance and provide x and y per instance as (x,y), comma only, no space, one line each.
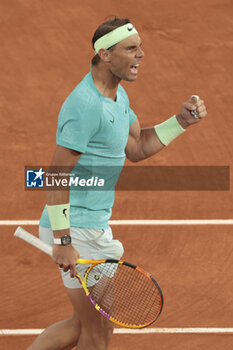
(111,139)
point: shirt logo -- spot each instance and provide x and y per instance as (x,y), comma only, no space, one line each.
(112,120)
(64,212)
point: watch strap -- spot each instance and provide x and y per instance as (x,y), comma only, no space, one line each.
(57,241)
(64,240)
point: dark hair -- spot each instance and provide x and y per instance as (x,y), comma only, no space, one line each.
(105,28)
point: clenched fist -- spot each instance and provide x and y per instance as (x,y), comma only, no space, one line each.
(193,111)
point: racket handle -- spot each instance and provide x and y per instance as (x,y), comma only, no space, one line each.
(195,98)
(36,242)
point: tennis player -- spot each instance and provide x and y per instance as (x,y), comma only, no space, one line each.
(96,126)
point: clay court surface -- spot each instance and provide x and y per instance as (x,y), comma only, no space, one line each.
(45,52)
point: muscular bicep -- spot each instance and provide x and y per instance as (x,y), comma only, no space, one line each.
(142,143)
(133,140)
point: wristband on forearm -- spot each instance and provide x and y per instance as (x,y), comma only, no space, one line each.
(168,130)
(59,216)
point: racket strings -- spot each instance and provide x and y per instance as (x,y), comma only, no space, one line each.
(141,298)
(126,294)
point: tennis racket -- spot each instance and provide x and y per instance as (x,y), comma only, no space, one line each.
(123,293)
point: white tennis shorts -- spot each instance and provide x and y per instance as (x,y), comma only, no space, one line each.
(91,244)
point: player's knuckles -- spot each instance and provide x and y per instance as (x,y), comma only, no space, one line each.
(64,263)
(202,105)
(202,110)
(203,115)
(189,106)
(71,263)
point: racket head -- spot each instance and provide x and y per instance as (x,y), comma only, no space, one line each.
(109,277)
(124,293)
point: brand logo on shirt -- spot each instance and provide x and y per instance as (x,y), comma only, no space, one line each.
(112,120)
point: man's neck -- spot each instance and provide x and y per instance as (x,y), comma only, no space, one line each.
(105,82)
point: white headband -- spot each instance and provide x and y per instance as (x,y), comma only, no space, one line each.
(114,37)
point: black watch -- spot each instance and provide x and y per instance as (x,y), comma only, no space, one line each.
(64,240)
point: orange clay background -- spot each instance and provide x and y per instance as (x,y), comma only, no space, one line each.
(45,52)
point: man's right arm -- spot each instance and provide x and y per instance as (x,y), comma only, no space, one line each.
(64,159)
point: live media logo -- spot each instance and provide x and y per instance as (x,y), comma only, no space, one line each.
(131,178)
(35,178)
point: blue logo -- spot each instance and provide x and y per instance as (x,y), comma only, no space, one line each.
(35,178)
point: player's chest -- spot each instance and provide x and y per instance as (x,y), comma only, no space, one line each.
(115,124)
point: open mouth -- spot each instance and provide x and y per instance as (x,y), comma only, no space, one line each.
(134,69)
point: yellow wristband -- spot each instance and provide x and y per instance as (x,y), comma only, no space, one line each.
(59,216)
(169,130)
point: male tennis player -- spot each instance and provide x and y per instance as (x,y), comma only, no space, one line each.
(96,126)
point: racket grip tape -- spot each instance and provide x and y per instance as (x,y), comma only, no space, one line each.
(31,239)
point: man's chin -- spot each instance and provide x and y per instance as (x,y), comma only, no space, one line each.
(131,78)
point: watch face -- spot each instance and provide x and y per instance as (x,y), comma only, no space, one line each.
(65,240)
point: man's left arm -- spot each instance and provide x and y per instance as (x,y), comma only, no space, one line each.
(143,143)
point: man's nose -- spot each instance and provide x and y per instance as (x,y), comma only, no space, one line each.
(140,53)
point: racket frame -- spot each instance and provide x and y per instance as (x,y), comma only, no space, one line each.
(39,244)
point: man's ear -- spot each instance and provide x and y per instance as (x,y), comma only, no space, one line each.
(105,55)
